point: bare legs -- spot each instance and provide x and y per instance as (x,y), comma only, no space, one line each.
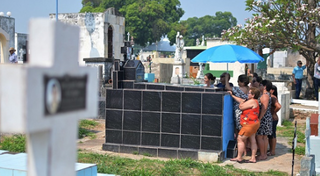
(272,145)
(253,143)
(241,148)
(263,146)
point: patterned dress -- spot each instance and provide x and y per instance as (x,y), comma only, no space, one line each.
(266,121)
(236,91)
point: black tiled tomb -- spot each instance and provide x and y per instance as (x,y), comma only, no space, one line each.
(132,120)
(212,104)
(132,100)
(127,84)
(194,89)
(211,143)
(183,154)
(149,151)
(167,153)
(171,101)
(155,87)
(128,149)
(110,147)
(168,140)
(114,98)
(175,88)
(131,138)
(150,139)
(113,136)
(139,86)
(190,124)
(114,119)
(170,123)
(192,142)
(151,101)
(191,103)
(211,125)
(150,121)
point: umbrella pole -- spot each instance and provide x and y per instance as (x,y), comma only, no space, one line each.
(227,67)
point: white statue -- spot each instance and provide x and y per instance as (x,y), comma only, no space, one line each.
(179,47)
(197,42)
(202,42)
(22,52)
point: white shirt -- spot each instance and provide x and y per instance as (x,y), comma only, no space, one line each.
(316,71)
(13,58)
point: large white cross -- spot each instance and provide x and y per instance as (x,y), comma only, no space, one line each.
(46,97)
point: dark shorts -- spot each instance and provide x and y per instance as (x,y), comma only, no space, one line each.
(274,129)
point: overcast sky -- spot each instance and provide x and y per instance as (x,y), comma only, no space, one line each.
(23,10)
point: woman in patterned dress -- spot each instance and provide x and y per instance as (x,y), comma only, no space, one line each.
(241,92)
(265,118)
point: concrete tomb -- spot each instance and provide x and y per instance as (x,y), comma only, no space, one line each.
(46,97)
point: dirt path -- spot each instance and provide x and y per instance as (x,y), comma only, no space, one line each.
(281,162)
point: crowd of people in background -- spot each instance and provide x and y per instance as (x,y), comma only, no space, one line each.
(255,114)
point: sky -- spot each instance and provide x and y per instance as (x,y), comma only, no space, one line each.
(24,10)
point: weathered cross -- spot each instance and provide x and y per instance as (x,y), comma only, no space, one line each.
(46,97)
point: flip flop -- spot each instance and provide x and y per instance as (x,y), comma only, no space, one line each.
(242,161)
(248,161)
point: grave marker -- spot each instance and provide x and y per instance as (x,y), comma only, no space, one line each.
(46,98)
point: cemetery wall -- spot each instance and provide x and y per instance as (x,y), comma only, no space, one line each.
(7,31)
(94,33)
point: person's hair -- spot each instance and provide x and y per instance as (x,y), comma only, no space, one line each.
(259,79)
(224,75)
(255,74)
(255,92)
(298,62)
(244,79)
(210,76)
(275,89)
(268,84)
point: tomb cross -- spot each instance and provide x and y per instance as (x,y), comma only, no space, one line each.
(128,36)
(46,97)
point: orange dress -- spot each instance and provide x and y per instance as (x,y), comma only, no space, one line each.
(249,120)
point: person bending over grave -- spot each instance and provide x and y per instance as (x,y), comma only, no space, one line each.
(241,92)
(209,80)
(250,123)
(223,80)
(265,118)
(275,107)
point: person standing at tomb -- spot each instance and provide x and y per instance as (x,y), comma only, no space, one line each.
(223,80)
(316,80)
(241,92)
(275,107)
(297,75)
(209,80)
(13,57)
(265,118)
(250,123)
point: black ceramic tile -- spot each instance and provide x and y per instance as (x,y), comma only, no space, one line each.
(150,121)
(191,102)
(153,152)
(171,101)
(212,103)
(190,124)
(192,154)
(150,139)
(131,138)
(132,99)
(211,125)
(114,119)
(210,90)
(193,89)
(115,80)
(155,87)
(167,153)
(113,136)
(170,123)
(114,98)
(151,101)
(139,86)
(120,75)
(175,88)
(129,74)
(132,120)
(168,140)
(127,84)
(211,143)
(192,142)
(129,149)
(110,147)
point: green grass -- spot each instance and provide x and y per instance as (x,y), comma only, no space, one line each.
(145,167)
(15,143)
(84,129)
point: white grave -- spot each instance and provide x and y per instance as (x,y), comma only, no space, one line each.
(46,97)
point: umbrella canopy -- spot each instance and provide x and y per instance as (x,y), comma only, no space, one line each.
(228,54)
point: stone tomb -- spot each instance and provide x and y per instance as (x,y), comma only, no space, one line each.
(169,121)
(46,97)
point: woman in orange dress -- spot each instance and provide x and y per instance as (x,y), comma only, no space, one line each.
(249,120)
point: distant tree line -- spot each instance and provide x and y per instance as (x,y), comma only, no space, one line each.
(149,20)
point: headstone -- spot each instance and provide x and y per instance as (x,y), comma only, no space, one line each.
(178,65)
(46,97)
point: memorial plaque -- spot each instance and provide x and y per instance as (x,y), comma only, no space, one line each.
(64,94)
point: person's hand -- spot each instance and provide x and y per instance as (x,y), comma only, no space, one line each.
(230,92)
(294,81)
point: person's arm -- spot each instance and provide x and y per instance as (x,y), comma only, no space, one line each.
(247,104)
(238,99)
(293,76)
(227,85)
(264,105)
(276,104)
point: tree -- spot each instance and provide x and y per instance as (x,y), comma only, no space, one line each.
(282,24)
(209,26)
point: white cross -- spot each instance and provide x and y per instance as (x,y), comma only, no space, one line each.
(46,97)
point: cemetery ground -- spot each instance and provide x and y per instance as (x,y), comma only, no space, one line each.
(92,136)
